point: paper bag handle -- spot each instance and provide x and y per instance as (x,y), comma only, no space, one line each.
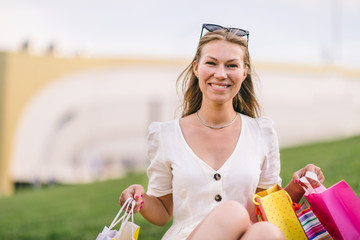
(127,216)
(308,188)
(124,207)
(258,196)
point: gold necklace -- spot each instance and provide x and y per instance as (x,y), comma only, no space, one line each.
(213,127)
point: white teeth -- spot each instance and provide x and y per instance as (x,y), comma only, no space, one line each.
(218,86)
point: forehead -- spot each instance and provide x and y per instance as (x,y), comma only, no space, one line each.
(222,49)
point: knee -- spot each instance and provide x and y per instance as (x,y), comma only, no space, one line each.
(270,231)
(235,214)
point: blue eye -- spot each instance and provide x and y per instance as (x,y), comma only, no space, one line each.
(232,66)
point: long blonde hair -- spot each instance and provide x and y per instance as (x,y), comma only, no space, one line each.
(245,100)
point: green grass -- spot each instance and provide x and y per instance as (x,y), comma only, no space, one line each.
(81,211)
(68,212)
(338,160)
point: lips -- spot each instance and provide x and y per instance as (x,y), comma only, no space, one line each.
(219,86)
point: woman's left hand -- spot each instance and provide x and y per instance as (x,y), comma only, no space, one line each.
(310,168)
(296,190)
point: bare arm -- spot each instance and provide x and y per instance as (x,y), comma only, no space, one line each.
(295,191)
(157,210)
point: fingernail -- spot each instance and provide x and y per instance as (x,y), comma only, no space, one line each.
(141,195)
(140,207)
(137,196)
(142,202)
(296,180)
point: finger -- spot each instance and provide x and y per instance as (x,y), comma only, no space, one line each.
(138,197)
(134,191)
(314,183)
(300,173)
(297,175)
(126,194)
(138,194)
(310,168)
(136,207)
(139,207)
(316,170)
(319,175)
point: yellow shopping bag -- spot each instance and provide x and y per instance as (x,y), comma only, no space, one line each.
(128,229)
(275,205)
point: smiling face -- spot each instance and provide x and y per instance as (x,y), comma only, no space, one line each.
(220,70)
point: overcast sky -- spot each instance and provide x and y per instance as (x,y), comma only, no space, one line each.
(308,31)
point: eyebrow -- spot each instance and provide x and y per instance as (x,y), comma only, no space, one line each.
(235,59)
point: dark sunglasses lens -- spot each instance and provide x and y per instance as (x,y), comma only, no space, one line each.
(238,32)
(212,27)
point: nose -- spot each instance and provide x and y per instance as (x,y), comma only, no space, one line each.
(220,72)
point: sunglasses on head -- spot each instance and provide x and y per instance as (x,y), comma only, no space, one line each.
(236,31)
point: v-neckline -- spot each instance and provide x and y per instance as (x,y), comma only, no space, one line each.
(202,161)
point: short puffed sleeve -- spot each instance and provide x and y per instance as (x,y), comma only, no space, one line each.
(270,169)
(159,171)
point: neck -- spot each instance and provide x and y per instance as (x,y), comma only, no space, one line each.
(215,115)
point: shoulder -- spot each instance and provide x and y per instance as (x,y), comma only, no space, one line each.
(266,125)
(262,127)
(161,126)
(160,130)
(268,133)
(260,123)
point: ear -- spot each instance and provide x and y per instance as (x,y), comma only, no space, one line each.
(195,69)
(245,72)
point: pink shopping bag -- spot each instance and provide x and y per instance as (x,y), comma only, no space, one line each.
(337,208)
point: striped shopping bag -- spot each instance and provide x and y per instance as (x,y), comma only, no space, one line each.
(313,228)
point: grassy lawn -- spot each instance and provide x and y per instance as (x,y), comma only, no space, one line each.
(338,160)
(81,211)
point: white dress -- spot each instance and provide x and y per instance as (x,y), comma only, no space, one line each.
(196,187)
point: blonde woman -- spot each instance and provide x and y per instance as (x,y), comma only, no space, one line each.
(206,166)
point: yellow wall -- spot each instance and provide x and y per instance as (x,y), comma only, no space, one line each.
(21,76)
(3,172)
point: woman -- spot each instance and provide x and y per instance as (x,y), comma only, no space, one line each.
(206,166)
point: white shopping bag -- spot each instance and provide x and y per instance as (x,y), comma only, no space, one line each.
(128,230)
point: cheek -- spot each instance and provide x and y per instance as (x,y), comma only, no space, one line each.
(242,76)
(238,84)
(238,78)
(202,85)
(202,73)
(202,76)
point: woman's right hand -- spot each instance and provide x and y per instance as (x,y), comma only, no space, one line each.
(136,192)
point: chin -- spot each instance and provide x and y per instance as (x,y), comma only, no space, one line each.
(220,101)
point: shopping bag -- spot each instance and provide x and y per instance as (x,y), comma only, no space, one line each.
(337,208)
(275,205)
(313,228)
(128,230)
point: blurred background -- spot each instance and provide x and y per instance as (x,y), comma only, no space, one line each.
(80,81)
